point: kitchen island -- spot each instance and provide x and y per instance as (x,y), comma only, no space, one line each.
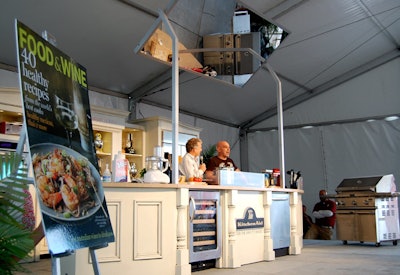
(152,236)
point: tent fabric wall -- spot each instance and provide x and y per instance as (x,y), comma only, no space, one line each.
(362,149)
(326,155)
(375,93)
(303,152)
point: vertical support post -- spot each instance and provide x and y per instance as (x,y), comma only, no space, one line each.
(280,125)
(20,147)
(175,96)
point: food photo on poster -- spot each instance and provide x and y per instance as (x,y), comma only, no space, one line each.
(60,137)
(68,183)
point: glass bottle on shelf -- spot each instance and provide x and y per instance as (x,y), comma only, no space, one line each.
(133,171)
(129,144)
(107,174)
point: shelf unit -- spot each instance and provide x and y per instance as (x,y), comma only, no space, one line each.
(138,142)
(112,125)
(156,129)
(114,140)
(10,111)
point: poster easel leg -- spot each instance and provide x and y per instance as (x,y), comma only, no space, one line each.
(55,265)
(95,263)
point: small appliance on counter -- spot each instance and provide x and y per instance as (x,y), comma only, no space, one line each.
(155,167)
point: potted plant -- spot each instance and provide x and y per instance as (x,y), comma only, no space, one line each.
(15,240)
(208,152)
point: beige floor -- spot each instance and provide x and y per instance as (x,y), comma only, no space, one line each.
(317,257)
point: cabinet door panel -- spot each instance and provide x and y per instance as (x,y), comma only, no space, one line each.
(345,223)
(366,227)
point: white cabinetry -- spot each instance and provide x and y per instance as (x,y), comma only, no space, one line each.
(113,128)
(138,143)
(159,133)
(10,111)
(111,136)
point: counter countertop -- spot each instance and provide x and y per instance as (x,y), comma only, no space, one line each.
(194,186)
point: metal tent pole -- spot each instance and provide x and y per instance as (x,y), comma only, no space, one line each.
(280,124)
(175,96)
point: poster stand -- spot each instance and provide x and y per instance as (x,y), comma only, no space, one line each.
(95,263)
(55,259)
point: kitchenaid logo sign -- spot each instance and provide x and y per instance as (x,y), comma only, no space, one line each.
(250,220)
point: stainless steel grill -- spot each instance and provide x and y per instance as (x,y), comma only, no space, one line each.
(367,210)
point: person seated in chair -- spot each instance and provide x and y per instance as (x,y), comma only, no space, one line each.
(324,213)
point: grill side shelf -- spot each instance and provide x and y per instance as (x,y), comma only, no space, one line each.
(375,195)
(355,208)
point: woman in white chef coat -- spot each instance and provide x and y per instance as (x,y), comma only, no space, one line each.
(190,166)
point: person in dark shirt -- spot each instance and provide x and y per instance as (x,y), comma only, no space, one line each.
(221,160)
(324,213)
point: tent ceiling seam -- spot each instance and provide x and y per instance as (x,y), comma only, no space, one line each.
(182,111)
(323,87)
(378,23)
(283,8)
(326,123)
(283,45)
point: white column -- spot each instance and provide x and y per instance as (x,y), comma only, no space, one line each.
(296,239)
(269,253)
(182,252)
(233,257)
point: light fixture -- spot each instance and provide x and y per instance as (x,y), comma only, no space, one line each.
(391,118)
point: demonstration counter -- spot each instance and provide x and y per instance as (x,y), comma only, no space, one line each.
(151,224)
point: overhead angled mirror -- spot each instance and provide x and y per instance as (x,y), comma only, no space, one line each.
(230,48)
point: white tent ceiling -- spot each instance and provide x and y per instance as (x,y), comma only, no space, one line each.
(329,43)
